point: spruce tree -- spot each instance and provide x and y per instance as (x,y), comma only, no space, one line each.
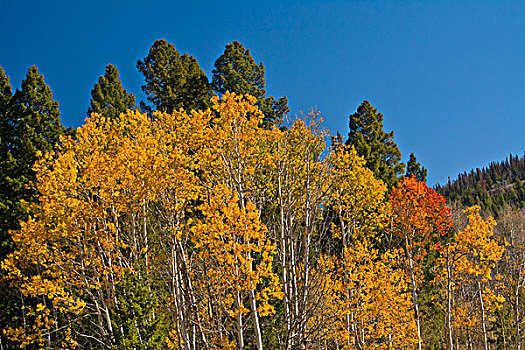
(108,97)
(9,210)
(137,323)
(173,81)
(377,146)
(236,71)
(8,206)
(37,128)
(415,169)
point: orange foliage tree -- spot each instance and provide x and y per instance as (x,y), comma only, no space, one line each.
(419,219)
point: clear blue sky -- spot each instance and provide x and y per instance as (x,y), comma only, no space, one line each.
(449,76)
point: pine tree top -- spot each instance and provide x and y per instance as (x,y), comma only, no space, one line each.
(5,87)
(108,97)
(236,71)
(381,153)
(414,169)
(173,81)
(39,116)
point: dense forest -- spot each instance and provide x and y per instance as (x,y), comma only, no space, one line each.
(206,218)
(492,188)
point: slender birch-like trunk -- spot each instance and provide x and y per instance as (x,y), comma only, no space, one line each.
(449,302)
(414,293)
(284,263)
(483,318)
(517,317)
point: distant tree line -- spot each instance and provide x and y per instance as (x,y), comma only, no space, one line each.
(492,188)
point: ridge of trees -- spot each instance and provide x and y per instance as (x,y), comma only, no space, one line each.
(492,187)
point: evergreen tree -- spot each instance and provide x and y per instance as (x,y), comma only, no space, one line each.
(336,141)
(414,169)
(8,207)
(34,126)
(38,127)
(377,146)
(236,71)
(108,97)
(173,81)
(137,322)
(10,308)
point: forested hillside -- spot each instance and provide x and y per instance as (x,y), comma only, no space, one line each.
(206,219)
(492,188)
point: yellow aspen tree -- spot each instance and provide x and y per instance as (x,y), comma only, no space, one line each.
(233,262)
(511,227)
(237,148)
(298,209)
(235,154)
(366,305)
(282,173)
(358,201)
(97,219)
(465,272)
(356,196)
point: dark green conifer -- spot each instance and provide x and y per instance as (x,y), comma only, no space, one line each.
(173,81)
(8,206)
(108,97)
(377,147)
(415,169)
(236,71)
(37,127)
(137,322)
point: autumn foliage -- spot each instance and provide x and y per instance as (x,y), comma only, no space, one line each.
(206,230)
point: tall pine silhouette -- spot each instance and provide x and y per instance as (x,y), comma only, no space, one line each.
(108,97)
(377,146)
(414,169)
(9,206)
(29,122)
(236,71)
(173,81)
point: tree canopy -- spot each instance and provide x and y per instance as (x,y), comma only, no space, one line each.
(199,225)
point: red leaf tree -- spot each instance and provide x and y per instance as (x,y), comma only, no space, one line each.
(419,218)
